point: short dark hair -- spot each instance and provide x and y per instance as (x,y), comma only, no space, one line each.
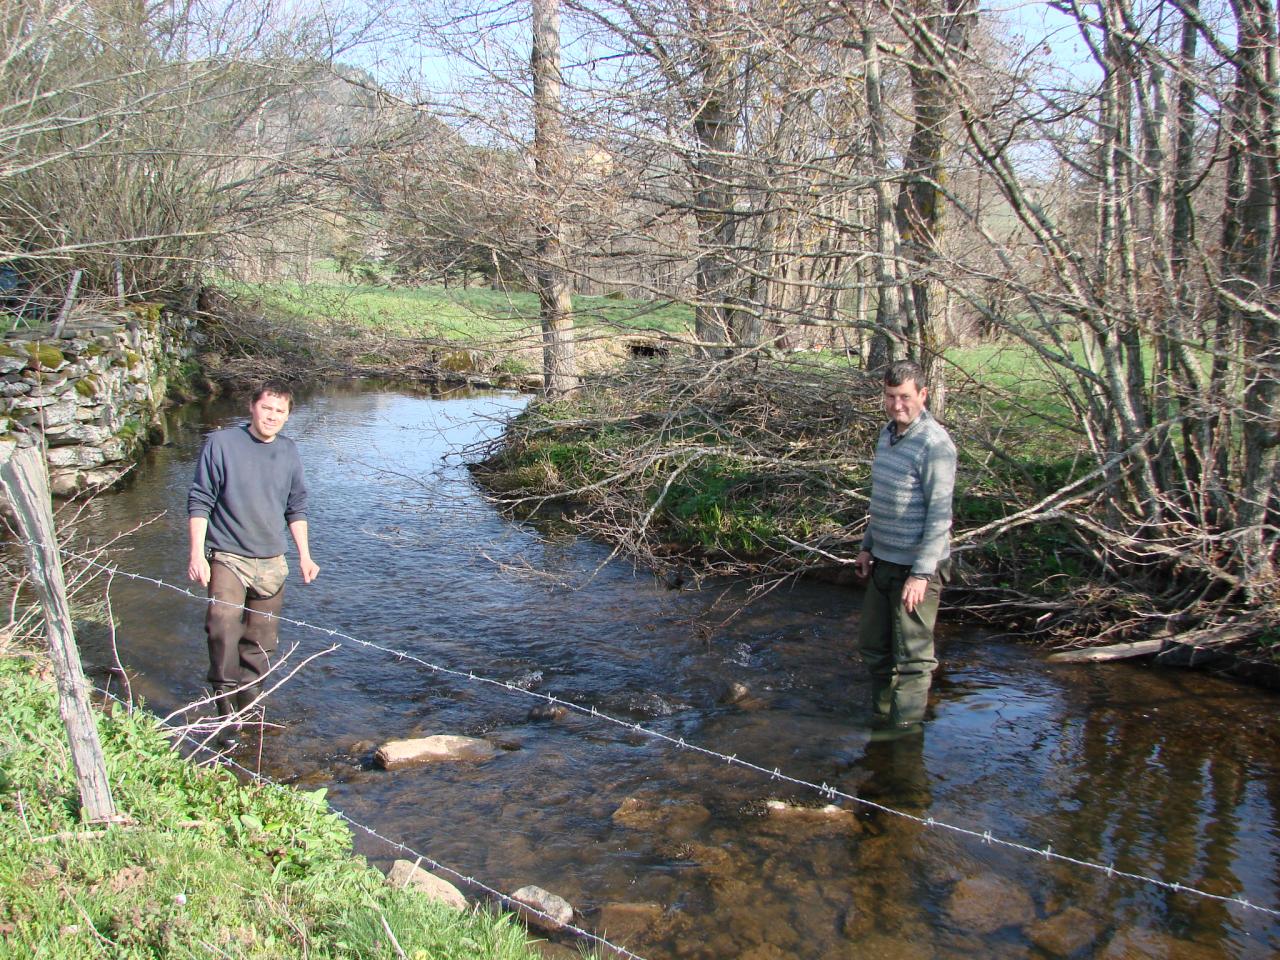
(275,387)
(900,371)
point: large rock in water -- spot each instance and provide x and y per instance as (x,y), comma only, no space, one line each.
(403,753)
(408,875)
(553,913)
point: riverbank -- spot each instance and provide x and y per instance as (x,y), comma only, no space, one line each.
(203,865)
(475,337)
(761,471)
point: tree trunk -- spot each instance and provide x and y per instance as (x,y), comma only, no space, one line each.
(888,340)
(559,368)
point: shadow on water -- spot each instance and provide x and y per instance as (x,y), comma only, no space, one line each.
(674,853)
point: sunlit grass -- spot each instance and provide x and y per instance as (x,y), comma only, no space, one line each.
(473,315)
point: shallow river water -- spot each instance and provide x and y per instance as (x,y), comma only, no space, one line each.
(1168,774)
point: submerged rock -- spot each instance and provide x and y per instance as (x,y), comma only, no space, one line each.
(443,747)
(1066,933)
(553,913)
(1138,944)
(548,711)
(987,904)
(782,813)
(622,922)
(406,875)
(639,813)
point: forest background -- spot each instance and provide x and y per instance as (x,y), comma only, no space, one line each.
(706,224)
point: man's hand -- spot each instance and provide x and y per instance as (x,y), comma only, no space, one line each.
(198,569)
(913,592)
(862,564)
(309,569)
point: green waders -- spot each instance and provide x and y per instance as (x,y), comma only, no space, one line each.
(896,646)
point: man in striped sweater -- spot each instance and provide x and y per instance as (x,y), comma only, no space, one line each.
(905,555)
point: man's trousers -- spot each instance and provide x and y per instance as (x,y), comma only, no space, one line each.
(896,646)
(242,630)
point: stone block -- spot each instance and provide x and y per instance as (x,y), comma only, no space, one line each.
(442,747)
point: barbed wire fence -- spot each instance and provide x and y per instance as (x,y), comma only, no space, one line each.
(831,793)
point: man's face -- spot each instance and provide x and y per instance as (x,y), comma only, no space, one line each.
(904,402)
(267,415)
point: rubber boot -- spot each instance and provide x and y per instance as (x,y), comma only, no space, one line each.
(224,705)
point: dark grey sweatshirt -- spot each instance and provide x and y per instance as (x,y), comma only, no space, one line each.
(249,490)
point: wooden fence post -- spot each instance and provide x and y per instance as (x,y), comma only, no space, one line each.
(26,481)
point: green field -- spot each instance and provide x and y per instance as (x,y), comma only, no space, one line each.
(474,315)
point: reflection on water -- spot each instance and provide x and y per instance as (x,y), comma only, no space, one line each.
(1166,774)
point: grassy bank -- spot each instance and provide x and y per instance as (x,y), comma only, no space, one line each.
(463,314)
(764,473)
(205,867)
(427,333)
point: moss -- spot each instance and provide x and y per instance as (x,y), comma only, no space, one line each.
(89,386)
(7,351)
(43,356)
(133,358)
(148,313)
(459,361)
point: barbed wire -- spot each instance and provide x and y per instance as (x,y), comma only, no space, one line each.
(986,837)
(223,758)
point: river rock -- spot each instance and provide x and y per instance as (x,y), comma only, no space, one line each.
(442,747)
(986,904)
(548,711)
(783,813)
(639,813)
(64,484)
(1134,943)
(1065,933)
(553,913)
(623,922)
(406,875)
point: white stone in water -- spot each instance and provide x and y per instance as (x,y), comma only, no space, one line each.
(406,875)
(554,913)
(400,753)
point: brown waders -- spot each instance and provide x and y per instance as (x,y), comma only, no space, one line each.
(241,625)
(896,646)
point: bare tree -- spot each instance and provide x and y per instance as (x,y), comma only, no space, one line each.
(558,370)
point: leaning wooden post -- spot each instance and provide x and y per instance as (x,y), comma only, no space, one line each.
(26,481)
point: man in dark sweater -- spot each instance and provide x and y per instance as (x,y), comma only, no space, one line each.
(905,552)
(248,487)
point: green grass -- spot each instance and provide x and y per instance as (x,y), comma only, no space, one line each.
(209,867)
(475,315)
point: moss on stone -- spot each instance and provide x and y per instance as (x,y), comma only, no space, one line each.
(44,356)
(89,386)
(148,313)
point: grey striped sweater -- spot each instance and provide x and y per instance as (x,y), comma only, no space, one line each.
(911,485)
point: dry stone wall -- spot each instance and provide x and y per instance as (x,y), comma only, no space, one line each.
(93,392)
